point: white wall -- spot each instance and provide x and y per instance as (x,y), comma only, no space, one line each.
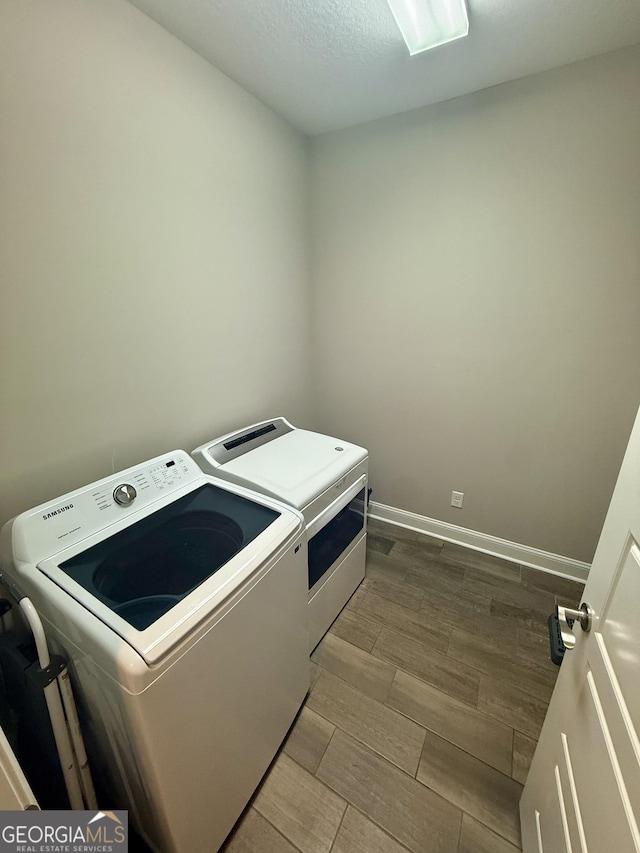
(477,298)
(153,266)
(476,286)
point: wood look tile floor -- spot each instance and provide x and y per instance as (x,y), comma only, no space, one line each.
(428,694)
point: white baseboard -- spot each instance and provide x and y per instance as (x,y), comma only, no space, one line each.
(524,555)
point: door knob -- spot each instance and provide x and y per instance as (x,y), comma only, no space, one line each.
(583,616)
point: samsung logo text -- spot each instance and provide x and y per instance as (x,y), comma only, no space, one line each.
(55,512)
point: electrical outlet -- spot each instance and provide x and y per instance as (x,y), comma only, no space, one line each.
(456,499)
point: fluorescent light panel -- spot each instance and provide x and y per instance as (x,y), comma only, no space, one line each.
(427,23)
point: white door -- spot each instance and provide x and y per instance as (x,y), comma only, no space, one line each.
(15,792)
(583,789)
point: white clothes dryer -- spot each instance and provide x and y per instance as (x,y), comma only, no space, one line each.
(323,477)
(180,602)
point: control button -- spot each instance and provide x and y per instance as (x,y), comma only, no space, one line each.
(124,494)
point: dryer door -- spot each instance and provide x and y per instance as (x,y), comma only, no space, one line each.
(333,532)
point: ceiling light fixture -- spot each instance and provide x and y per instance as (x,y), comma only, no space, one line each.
(428,23)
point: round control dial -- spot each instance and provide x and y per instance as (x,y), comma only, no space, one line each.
(124,494)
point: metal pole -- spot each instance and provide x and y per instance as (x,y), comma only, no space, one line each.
(64,683)
(56,712)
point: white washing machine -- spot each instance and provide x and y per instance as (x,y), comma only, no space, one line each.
(181,603)
(326,479)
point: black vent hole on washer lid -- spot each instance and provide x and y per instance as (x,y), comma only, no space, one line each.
(171,560)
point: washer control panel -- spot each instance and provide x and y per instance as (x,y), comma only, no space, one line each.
(47,529)
(167,474)
(144,483)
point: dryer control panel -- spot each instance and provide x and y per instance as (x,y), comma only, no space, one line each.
(47,529)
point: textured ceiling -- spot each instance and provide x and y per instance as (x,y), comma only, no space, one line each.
(328,64)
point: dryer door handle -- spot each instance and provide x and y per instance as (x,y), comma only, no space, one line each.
(336,506)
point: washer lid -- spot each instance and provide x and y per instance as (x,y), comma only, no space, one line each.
(149,554)
(295,467)
(155,580)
